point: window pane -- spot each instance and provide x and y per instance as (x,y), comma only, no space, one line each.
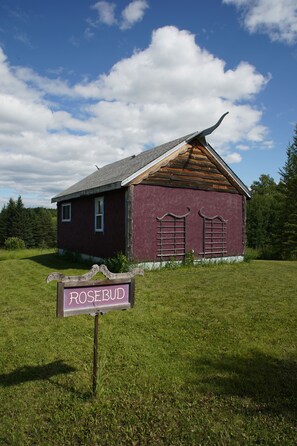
(98,221)
(66,212)
(99,213)
(99,206)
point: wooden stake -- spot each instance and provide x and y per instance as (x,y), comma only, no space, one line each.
(95,357)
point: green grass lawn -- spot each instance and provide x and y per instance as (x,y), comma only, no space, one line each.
(206,357)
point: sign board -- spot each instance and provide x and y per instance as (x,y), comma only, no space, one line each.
(80,295)
(94,297)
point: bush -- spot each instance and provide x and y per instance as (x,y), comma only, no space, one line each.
(189,258)
(117,264)
(269,253)
(251,254)
(13,243)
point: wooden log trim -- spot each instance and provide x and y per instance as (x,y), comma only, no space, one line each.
(191,167)
(224,173)
(206,175)
(207,166)
(201,186)
(179,176)
(161,164)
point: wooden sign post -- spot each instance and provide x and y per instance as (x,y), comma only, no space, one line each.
(81,295)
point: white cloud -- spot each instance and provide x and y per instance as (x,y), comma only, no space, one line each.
(88,34)
(165,91)
(106,12)
(277,18)
(175,67)
(233,158)
(56,87)
(22,37)
(133,13)
(243,147)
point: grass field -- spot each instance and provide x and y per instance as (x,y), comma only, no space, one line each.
(207,357)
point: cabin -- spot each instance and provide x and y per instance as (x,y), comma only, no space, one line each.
(166,202)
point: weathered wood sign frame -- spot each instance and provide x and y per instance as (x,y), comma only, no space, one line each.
(80,295)
(74,298)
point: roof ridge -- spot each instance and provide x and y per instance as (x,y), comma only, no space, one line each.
(147,151)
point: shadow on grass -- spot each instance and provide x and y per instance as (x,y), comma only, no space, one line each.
(45,372)
(271,383)
(35,373)
(57,262)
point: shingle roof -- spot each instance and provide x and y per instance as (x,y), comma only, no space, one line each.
(120,173)
(113,174)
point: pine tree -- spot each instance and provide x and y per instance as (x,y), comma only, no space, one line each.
(3,226)
(35,226)
(44,230)
(288,217)
(28,232)
(18,224)
(10,218)
(262,211)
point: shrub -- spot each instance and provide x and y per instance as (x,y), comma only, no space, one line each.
(189,258)
(13,243)
(117,264)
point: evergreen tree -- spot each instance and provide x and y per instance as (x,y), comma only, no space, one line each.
(288,218)
(18,224)
(28,232)
(35,226)
(262,214)
(10,218)
(3,225)
(44,231)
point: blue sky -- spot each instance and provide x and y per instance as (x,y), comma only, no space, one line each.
(87,83)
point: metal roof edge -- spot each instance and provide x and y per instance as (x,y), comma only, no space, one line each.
(225,166)
(87,192)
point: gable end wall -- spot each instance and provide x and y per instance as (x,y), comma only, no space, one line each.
(152,202)
(194,169)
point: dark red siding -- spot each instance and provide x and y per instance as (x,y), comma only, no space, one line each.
(79,235)
(151,202)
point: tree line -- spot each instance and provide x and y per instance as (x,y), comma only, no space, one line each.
(272,211)
(36,227)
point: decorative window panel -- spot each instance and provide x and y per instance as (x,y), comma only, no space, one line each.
(214,236)
(171,236)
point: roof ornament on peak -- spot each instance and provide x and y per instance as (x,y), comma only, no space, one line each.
(209,130)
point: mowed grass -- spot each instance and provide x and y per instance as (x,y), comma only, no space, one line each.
(207,357)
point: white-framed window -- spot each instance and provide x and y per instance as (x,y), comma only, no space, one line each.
(66,212)
(99,214)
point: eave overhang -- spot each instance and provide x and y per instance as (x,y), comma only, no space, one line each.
(87,192)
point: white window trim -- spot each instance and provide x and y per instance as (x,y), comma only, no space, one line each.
(96,215)
(65,220)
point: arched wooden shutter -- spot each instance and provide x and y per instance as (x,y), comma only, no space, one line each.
(172,236)
(214,236)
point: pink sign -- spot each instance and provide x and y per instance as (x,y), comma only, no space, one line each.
(94,298)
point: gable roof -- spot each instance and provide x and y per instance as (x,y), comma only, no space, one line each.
(121,173)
